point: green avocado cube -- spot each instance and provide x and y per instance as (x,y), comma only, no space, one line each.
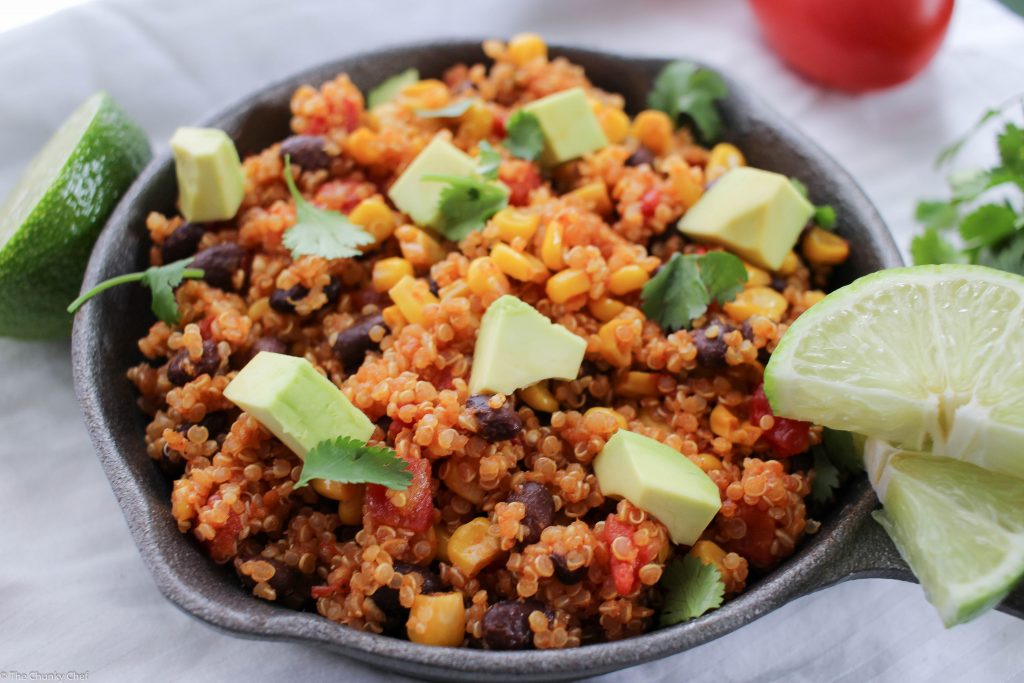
(518,346)
(419,198)
(390,87)
(569,125)
(659,480)
(296,403)
(211,183)
(756,214)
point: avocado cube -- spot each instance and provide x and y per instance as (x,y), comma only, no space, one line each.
(389,88)
(518,346)
(756,214)
(569,125)
(211,183)
(659,480)
(296,403)
(418,198)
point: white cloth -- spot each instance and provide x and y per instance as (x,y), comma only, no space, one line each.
(74,594)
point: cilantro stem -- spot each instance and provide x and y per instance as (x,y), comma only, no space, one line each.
(188,273)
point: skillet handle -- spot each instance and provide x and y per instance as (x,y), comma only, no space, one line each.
(872,555)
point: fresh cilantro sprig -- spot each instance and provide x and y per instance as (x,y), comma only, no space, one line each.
(686,284)
(685,88)
(351,461)
(161,281)
(824,214)
(320,232)
(488,161)
(692,588)
(838,454)
(466,204)
(452,111)
(524,138)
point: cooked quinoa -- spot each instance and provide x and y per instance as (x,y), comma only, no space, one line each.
(512,473)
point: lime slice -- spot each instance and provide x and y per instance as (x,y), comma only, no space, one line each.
(54,213)
(959,527)
(928,358)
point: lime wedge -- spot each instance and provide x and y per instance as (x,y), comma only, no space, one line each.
(959,527)
(928,358)
(54,213)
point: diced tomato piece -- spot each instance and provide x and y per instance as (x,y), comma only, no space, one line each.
(206,325)
(625,573)
(787,437)
(343,195)
(756,544)
(322,591)
(418,512)
(498,124)
(351,112)
(224,544)
(649,202)
(521,177)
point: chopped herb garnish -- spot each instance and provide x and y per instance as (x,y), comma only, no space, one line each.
(488,161)
(824,214)
(351,461)
(320,232)
(161,281)
(685,88)
(838,454)
(692,588)
(466,204)
(525,139)
(686,284)
(826,476)
(452,111)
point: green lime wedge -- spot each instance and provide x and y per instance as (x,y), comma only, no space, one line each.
(959,527)
(928,358)
(54,213)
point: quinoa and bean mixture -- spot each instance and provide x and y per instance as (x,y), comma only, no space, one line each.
(504,521)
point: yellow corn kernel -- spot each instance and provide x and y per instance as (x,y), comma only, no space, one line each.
(513,223)
(484,277)
(443,537)
(824,248)
(789,264)
(363,145)
(619,418)
(472,547)
(708,552)
(723,157)
(350,510)
(565,285)
(388,271)
(812,297)
(757,277)
(426,94)
(526,47)
(335,490)
(708,462)
(476,123)
(593,196)
(653,129)
(723,422)
(605,309)
(418,247)
(610,350)
(615,124)
(411,296)
(757,301)
(437,620)
(627,279)
(454,289)
(470,490)
(686,183)
(551,248)
(518,265)
(375,217)
(393,316)
(637,385)
(539,397)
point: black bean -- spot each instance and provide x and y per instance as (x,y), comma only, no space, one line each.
(219,264)
(369,297)
(283,300)
(291,585)
(710,351)
(171,463)
(432,285)
(332,290)
(181,243)
(352,343)
(507,625)
(494,425)
(217,424)
(779,283)
(566,575)
(641,156)
(384,423)
(306,151)
(181,369)
(271,344)
(540,508)
(386,598)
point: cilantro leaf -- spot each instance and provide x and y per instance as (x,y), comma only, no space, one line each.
(947,153)
(488,161)
(968,184)
(685,88)
(161,281)
(524,138)
(825,216)
(686,284)
(692,588)
(988,225)
(1011,149)
(318,231)
(931,247)
(844,449)
(826,477)
(936,214)
(351,461)
(1009,257)
(467,203)
(452,111)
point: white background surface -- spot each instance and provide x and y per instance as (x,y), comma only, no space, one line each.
(74,594)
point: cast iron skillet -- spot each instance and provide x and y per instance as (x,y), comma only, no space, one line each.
(849,545)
